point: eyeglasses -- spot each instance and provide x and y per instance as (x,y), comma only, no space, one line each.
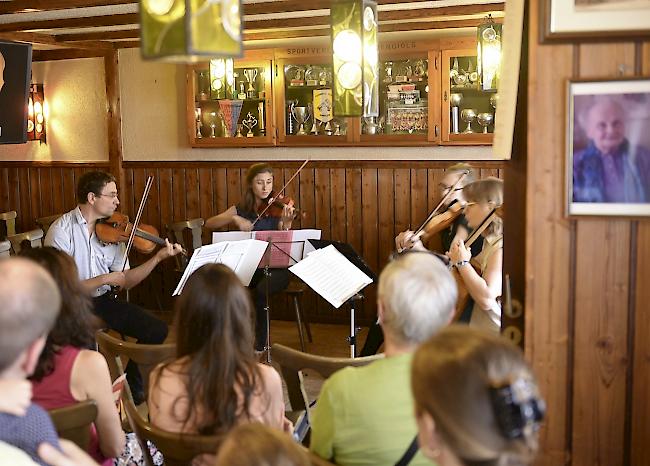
(110,195)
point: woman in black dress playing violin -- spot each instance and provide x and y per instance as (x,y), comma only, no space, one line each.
(249,215)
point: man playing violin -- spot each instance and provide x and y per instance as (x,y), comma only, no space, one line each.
(101,265)
(252,214)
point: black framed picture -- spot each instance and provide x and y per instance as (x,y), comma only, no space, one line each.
(608,148)
(15,75)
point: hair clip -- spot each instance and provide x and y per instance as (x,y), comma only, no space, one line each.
(517,408)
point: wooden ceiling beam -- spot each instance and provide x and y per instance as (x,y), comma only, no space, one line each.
(104,35)
(47,39)
(90,21)
(24,6)
(66,54)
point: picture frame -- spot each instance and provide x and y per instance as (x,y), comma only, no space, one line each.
(608,148)
(594,20)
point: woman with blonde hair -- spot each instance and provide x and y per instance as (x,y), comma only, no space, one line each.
(483,285)
(476,400)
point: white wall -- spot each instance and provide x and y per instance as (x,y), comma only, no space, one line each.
(75,96)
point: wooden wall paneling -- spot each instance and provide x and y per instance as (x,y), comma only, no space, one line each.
(434,178)
(419,193)
(640,401)
(220,190)
(402,200)
(353,208)
(25,211)
(293,191)
(193,209)
(322,200)
(337,190)
(57,191)
(601,307)
(600,342)
(386,209)
(233,180)
(12,189)
(36,210)
(5,203)
(206,200)
(45,182)
(548,248)
(307,200)
(179,195)
(370,217)
(69,190)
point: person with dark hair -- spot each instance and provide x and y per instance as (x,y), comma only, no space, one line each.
(67,372)
(244,216)
(30,306)
(100,265)
(215,383)
(476,400)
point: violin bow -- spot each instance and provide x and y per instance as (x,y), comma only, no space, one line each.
(481,228)
(440,204)
(272,200)
(136,222)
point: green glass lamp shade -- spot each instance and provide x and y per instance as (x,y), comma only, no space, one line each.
(190,30)
(489,54)
(355,58)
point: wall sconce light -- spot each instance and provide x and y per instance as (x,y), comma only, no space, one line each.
(36,114)
(190,30)
(489,53)
(222,78)
(355,58)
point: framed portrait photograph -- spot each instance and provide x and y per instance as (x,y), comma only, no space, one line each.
(594,20)
(15,73)
(608,148)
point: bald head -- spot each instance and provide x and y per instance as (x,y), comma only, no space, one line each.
(30,305)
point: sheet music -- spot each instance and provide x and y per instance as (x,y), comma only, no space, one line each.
(331,275)
(280,250)
(240,256)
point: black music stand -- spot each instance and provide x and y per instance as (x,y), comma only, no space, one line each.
(358,261)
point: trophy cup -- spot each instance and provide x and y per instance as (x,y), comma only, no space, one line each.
(260,112)
(455,100)
(494,100)
(485,119)
(197,112)
(249,122)
(251,75)
(239,128)
(369,125)
(468,115)
(301,115)
(314,128)
(213,124)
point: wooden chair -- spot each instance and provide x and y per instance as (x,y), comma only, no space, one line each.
(34,237)
(292,362)
(73,422)
(178,449)
(5,249)
(9,224)
(45,222)
(295,292)
(147,357)
(177,233)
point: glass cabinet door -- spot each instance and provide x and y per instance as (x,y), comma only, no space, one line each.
(232,107)
(468,111)
(305,116)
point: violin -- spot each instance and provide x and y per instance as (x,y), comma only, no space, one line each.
(275,206)
(117,228)
(441,221)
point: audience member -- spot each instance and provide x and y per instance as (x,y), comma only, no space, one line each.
(67,372)
(476,400)
(364,415)
(216,382)
(30,305)
(255,444)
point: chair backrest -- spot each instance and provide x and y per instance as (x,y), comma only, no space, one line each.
(5,248)
(177,449)
(176,233)
(34,237)
(292,362)
(9,221)
(45,222)
(147,357)
(73,422)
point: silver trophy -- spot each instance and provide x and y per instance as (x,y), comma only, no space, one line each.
(468,115)
(249,122)
(251,75)
(455,100)
(494,100)
(197,113)
(301,115)
(485,119)
(240,126)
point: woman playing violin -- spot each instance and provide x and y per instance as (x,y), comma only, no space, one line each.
(484,285)
(250,215)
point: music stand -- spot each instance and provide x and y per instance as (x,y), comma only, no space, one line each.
(358,261)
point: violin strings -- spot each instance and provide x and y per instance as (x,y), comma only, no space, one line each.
(280,192)
(136,222)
